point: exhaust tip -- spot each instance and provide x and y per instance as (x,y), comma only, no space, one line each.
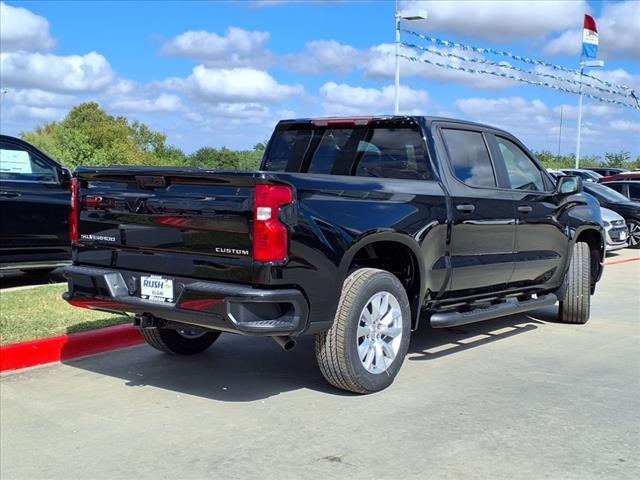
(286,343)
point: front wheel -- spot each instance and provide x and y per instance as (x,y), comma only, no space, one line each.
(634,233)
(575,306)
(365,347)
(186,341)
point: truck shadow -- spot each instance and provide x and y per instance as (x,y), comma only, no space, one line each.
(245,369)
(429,343)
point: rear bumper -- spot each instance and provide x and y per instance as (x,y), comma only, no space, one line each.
(210,305)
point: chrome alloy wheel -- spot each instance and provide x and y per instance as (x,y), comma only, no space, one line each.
(634,233)
(191,333)
(379,332)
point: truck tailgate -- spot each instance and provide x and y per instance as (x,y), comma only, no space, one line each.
(179,222)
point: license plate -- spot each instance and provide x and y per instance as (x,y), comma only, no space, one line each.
(623,235)
(156,288)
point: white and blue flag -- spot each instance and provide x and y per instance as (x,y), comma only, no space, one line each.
(589,38)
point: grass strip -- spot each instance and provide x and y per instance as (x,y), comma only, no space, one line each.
(40,312)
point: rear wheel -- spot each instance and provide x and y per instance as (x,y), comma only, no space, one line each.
(575,307)
(634,233)
(365,347)
(187,341)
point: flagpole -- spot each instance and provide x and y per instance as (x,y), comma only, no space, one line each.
(579,117)
(396,103)
(560,133)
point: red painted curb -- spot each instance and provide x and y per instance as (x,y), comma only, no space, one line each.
(615,262)
(66,347)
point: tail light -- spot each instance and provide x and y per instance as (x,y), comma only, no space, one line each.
(270,238)
(74,233)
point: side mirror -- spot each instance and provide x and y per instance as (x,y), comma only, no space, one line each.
(65,177)
(569,184)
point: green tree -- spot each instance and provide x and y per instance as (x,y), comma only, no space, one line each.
(619,159)
(90,136)
(227,159)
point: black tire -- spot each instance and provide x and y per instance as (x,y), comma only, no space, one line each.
(634,233)
(171,341)
(575,307)
(337,349)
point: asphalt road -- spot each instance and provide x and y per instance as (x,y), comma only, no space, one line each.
(517,397)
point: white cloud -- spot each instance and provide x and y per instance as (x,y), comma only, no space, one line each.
(501,111)
(379,63)
(619,76)
(39,114)
(121,87)
(604,127)
(21,29)
(73,73)
(618,29)
(324,57)
(343,99)
(626,126)
(237,48)
(495,19)
(163,103)
(236,85)
(594,109)
(39,98)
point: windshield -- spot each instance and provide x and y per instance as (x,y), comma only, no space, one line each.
(385,152)
(605,194)
(584,174)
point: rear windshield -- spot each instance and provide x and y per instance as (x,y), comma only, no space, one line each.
(604,193)
(364,152)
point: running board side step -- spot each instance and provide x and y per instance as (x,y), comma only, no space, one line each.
(509,307)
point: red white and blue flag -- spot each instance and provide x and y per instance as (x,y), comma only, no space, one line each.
(589,38)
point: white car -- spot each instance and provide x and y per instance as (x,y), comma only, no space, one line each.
(585,175)
(617,233)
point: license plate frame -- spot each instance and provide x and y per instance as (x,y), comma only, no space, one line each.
(157,288)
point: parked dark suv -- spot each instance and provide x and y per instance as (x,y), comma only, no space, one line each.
(628,188)
(34,208)
(607,171)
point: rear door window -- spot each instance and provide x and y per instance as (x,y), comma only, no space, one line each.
(17,163)
(393,153)
(618,187)
(469,157)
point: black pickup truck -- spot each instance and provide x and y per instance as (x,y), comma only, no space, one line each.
(354,230)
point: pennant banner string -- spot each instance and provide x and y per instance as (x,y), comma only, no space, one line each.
(518,79)
(503,53)
(484,61)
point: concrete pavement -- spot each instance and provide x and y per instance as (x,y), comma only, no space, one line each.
(517,397)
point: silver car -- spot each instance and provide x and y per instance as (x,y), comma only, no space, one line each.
(617,233)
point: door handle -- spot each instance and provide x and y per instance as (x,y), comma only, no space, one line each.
(525,208)
(9,194)
(465,207)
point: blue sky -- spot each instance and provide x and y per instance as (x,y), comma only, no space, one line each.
(222,73)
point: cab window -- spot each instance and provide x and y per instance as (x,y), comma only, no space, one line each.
(523,173)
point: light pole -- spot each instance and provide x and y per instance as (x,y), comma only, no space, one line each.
(418,15)
(588,63)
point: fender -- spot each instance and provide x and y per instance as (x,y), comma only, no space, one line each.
(601,247)
(388,236)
